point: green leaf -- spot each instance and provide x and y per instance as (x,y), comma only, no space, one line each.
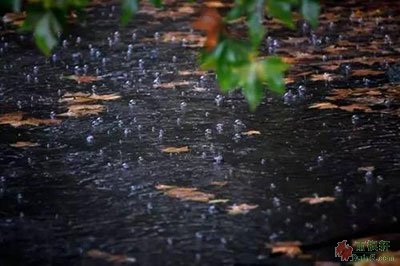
(156,3)
(310,11)
(129,7)
(282,10)
(45,32)
(256,30)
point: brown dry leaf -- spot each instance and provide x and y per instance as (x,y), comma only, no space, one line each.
(80,97)
(325,76)
(365,72)
(241,208)
(192,73)
(325,105)
(176,149)
(353,107)
(335,49)
(317,200)
(295,40)
(289,248)
(24,144)
(17,119)
(216,4)
(98,254)
(251,133)
(17,19)
(185,193)
(172,85)
(84,78)
(186,9)
(366,168)
(219,183)
(77,110)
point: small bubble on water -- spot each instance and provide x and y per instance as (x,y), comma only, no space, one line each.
(219,99)
(218,159)
(89,139)
(125,165)
(183,105)
(276,202)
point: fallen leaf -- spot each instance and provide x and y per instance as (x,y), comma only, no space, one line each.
(176,149)
(241,208)
(218,201)
(98,254)
(365,72)
(80,97)
(17,19)
(78,110)
(317,200)
(366,168)
(353,107)
(289,248)
(192,73)
(83,78)
(325,105)
(251,133)
(185,193)
(219,183)
(24,144)
(18,119)
(172,85)
(325,77)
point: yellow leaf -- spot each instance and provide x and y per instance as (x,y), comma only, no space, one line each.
(241,208)
(218,201)
(176,149)
(317,200)
(24,144)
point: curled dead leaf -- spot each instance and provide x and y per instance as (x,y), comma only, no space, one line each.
(176,149)
(317,200)
(98,254)
(24,144)
(241,208)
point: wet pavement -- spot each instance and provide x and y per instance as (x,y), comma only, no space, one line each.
(91,182)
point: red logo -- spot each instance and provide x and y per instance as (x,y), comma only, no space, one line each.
(343,250)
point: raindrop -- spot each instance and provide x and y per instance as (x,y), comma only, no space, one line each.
(218,159)
(355,119)
(183,105)
(132,103)
(276,202)
(157,36)
(125,166)
(89,139)
(161,134)
(219,127)
(219,99)
(368,177)
(174,59)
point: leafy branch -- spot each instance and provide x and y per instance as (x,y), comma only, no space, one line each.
(236,62)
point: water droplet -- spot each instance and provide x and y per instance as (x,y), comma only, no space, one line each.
(90,139)
(218,159)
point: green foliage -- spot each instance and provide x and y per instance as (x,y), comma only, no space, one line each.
(235,62)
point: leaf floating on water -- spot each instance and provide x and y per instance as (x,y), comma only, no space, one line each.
(98,254)
(366,169)
(17,119)
(365,72)
(84,78)
(172,85)
(16,19)
(289,248)
(219,183)
(78,110)
(241,208)
(176,149)
(218,201)
(184,193)
(80,97)
(24,144)
(326,105)
(251,133)
(317,200)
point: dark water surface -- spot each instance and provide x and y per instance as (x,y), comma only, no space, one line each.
(91,182)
